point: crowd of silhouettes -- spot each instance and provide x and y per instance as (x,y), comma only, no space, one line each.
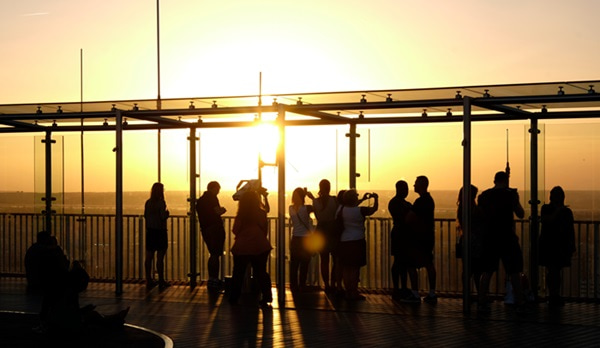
(338,238)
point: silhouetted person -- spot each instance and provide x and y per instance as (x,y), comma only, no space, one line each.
(339,229)
(213,233)
(500,242)
(353,245)
(325,207)
(33,262)
(251,247)
(421,219)
(156,215)
(54,268)
(302,229)
(557,242)
(399,208)
(476,240)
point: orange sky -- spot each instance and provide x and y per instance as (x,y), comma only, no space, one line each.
(219,48)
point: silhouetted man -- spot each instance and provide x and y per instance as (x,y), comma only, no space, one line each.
(500,242)
(211,224)
(421,220)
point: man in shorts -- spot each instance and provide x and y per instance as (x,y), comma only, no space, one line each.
(500,242)
(213,233)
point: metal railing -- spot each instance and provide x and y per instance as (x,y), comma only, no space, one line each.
(90,239)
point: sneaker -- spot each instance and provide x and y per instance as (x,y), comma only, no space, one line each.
(411,299)
(430,299)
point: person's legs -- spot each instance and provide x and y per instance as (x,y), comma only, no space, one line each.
(294,266)
(259,268)
(160,265)
(553,284)
(240,263)
(214,238)
(303,274)
(324,256)
(295,259)
(213,266)
(396,274)
(148,266)
(432,276)
(337,273)
(351,277)
(484,287)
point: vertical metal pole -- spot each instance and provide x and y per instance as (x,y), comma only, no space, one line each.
(352,135)
(158,99)
(48,195)
(192,213)
(280,247)
(82,221)
(119,204)
(466,204)
(534,220)
(159,157)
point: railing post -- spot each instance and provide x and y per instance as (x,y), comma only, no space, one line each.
(192,213)
(597,260)
(281,231)
(119,204)
(534,220)
(466,203)
(48,176)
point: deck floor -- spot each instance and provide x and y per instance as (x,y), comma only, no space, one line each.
(195,318)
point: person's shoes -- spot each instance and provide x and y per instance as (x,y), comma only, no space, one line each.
(430,299)
(411,299)
(398,295)
(214,285)
(358,297)
(483,308)
(163,285)
(151,284)
(265,303)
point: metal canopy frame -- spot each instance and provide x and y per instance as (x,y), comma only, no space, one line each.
(555,100)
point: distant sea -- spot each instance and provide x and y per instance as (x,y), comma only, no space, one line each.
(585,204)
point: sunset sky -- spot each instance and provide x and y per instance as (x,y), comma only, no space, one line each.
(218,48)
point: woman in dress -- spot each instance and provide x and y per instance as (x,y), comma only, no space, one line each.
(557,242)
(156,215)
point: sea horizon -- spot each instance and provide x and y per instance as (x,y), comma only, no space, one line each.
(585,204)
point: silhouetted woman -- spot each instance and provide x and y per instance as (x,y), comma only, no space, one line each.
(353,246)
(557,242)
(251,247)
(302,228)
(156,215)
(476,249)
(399,208)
